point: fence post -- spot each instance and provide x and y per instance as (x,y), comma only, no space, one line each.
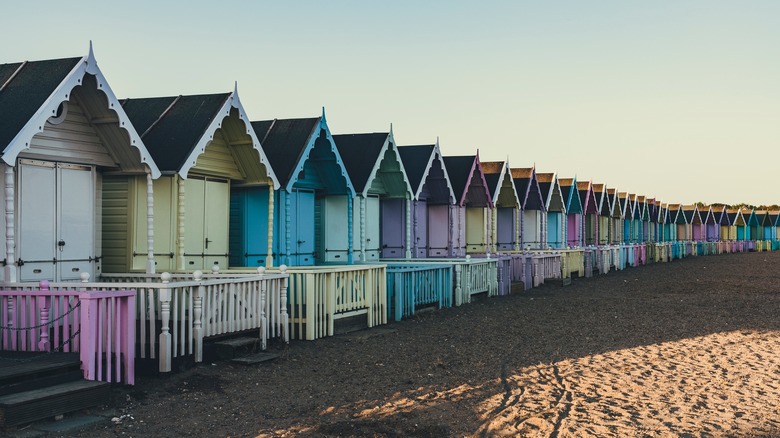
(285,319)
(197,315)
(43,308)
(263,290)
(87,328)
(164,295)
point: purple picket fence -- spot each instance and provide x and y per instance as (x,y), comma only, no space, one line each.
(99,325)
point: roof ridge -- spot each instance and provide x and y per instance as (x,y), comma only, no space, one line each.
(10,78)
(161,115)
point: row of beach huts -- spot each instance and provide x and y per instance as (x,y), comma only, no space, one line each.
(136,229)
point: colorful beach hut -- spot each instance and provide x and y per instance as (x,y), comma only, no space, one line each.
(573,211)
(62,132)
(532,234)
(313,220)
(505,229)
(616,219)
(650,218)
(626,215)
(432,201)
(555,209)
(602,204)
(710,222)
(590,212)
(752,225)
(382,210)
(737,224)
(695,230)
(472,204)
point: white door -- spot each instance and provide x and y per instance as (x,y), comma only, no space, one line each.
(56,221)
(206,209)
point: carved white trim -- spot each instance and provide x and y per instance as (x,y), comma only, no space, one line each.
(87,65)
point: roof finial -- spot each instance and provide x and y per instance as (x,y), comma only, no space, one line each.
(323,113)
(235,88)
(391,129)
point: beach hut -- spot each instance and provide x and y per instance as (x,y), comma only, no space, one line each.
(693,219)
(205,147)
(555,208)
(767,225)
(590,212)
(616,217)
(505,229)
(677,218)
(602,204)
(472,204)
(532,233)
(650,219)
(752,225)
(737,225)
(382,210)
(573,211)
(710,224)
(432,201)
(313,220)
(774,217)
(62,132)
(635,208)
(626,214)
(722,217)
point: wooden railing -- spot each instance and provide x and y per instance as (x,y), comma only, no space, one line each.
(99,325)
(175,312)
(414,284)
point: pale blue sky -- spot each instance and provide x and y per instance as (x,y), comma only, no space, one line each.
(670,99)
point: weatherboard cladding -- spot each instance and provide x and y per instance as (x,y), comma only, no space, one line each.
(25,88)
(171,127)
(360,152)
(415,160)
(284,142)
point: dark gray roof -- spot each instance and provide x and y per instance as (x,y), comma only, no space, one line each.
(29,86)
(172,126)
(284,141)
(415,160)
(360,152)
(459,171)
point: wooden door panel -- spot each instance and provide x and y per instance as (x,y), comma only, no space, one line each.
(37,222)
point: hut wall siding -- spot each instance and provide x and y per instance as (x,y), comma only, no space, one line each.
(218,160)
(116,223)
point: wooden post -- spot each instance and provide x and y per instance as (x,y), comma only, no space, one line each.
(287,230)
(180,263)
(285,318)
(10,240)
(263,290)
(197,315)
(493,214)
(350,226)
(269,259)
(408,246)
(43,308)
(164,295)
(150,266)
(518,215)
(362,256)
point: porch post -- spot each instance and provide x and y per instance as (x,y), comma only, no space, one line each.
(150,267)
(180,264)
(287,231)
(416,230)
(350,227)
(269,259)
(518,224)
(10,240)
(493,229)
(408,246)
(362,255)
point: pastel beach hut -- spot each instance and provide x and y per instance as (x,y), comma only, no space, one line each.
(470,220)
(505,229)
(314,213)
(63,132)
(432,200)
(573,211)
(737,224)
(711,227)
(532,222)
(721,214)
(636,206)
(696,229)
(205,146)
(767,225)
(555,208)
(590,211)
(626,215)
(600,192)
(615,215)
(774,216)
(382,209)
(753,225)
(650,218)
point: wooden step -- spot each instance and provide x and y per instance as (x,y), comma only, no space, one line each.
(24,407)
(256,358)
(32,371)
(234,347)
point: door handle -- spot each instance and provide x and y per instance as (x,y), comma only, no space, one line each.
(61,244)
(207,242)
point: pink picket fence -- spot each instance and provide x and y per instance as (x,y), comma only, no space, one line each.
(99,325)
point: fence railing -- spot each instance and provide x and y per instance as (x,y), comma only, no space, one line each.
(175,312)
(415,284)
(99,325)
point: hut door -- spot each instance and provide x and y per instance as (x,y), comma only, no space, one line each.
(372,228)
(303,233)
(531,234)
(56,221)
(333,231)
(505,227)
(164,225)
(393,228)
(475,230)
(554,229)
(438,230)
(206,209)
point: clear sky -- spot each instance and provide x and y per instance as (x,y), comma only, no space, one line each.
(677,100)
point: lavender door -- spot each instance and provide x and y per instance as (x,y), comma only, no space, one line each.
(393,236)
(505,228)
(420,229)
(438,230)
(573,229)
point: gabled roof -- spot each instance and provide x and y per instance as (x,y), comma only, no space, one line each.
(589,198)
(709,215)
(623,205)
(691,213)
(571,195)
(735,217)
(32,91)
(363,155)
(468,181)
(652,210)
(495,173)
(676,214)
(764,219)
(600,192)
(721,216)
(528,189)
(417,161)
(774,216)
(612,200)
(551,192)
(751,220)
(634,206)
(641,208)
